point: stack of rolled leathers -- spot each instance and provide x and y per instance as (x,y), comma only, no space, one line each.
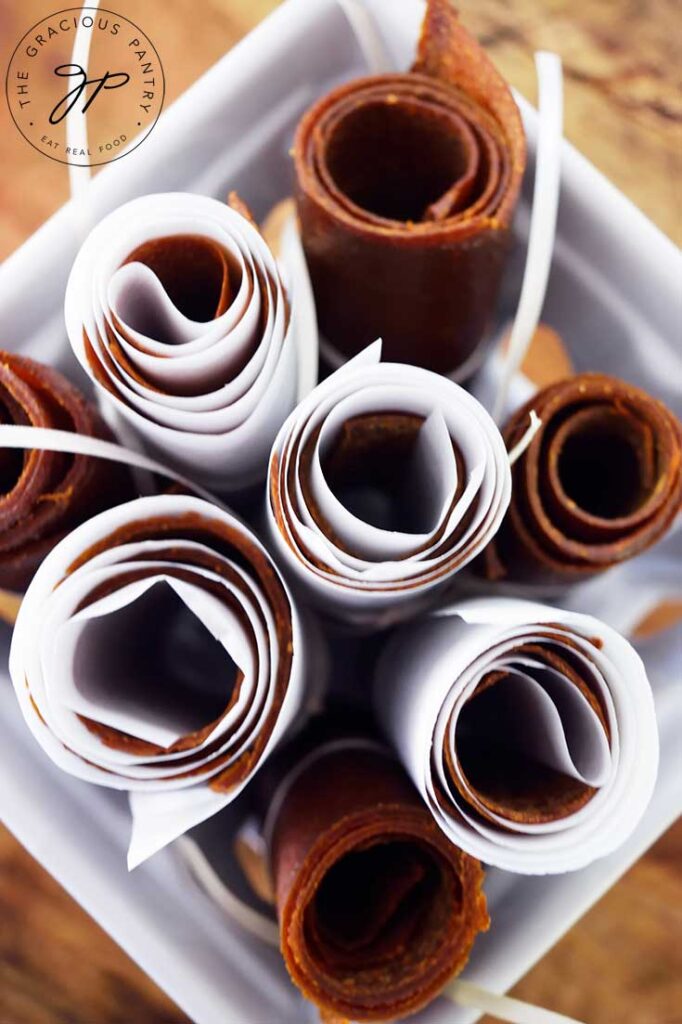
(45,494)
(159,649)
(600,482)
(406,188)
(377,909)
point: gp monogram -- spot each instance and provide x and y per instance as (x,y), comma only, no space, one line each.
(114,76)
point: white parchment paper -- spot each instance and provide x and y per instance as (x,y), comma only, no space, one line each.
(430,670)
(355,569)
(208,397)
(75,654)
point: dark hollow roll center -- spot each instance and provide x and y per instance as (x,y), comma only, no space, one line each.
(372,902)
(199,276)
(12,460)
(11,468)
(602,467)
(367,468)
(156,660)
(395,159)
(492,740)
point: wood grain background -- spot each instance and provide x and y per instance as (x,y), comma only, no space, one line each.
(622,964)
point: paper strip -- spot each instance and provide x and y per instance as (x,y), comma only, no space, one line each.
(176,309)
(514,1011)
(16,436)
(542,223)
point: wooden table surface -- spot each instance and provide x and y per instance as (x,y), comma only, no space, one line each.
(623,961)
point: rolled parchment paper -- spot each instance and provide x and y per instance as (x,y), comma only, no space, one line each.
(530,731)
(176,309)
(600,482)
(406,188)
(158,650)
(383,483)
(45,494)
(377,909)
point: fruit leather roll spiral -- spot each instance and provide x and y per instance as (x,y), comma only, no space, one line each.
(530,731)
(384,482)
(377,910)
(600,482)
(406,188)
(158,651)
(45,494)
(176,309)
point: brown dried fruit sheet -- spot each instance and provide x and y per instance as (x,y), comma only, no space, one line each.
(377,909)
(406,188)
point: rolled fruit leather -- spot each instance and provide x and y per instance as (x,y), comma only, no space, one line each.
(158,651)
(45,494)
(377,909)
(344,472)
(406,189)
(600,482)
(176,309)
(530,731)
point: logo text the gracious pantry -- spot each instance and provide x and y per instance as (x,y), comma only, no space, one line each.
(114,76)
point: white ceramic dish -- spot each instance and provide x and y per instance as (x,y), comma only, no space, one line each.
(614,295)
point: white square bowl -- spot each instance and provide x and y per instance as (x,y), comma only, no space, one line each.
(614,295)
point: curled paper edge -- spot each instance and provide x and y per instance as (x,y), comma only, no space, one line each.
(263,927)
